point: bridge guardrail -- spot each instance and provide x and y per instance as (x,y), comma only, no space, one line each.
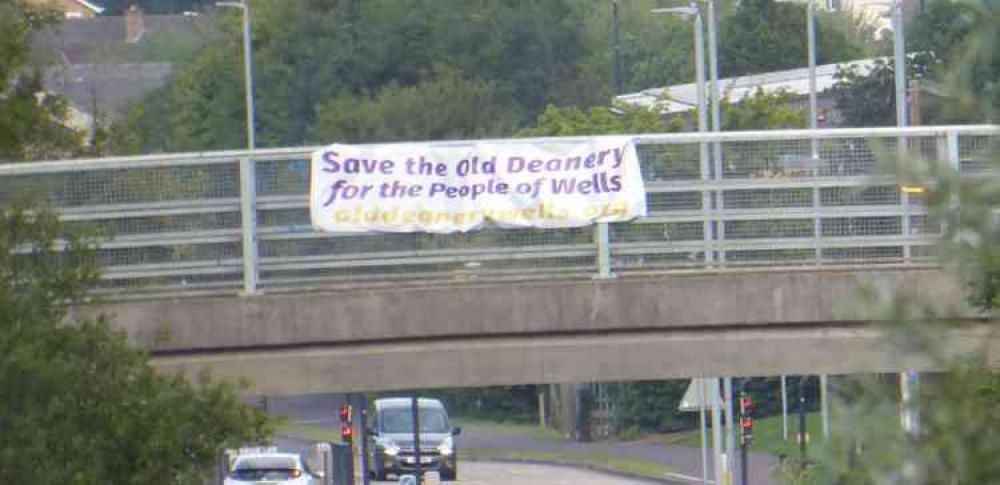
(176,222)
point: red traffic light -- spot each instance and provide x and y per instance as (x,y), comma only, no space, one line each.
(346,432)
(746,422)
(345,413)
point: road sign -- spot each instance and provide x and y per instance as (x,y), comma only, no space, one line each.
(699,394)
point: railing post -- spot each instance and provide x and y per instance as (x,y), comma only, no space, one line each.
(603,240)
(248,219)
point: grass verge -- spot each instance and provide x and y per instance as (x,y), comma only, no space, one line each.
(767,434)
(308,432)
(510,428)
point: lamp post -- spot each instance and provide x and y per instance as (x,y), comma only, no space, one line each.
(247,68)
(248,178)
(699,52)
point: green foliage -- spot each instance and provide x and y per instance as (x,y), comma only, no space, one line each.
(32,124)
(949,45)
(448,107)
(764,35)
(958,406)
(763,111)
(81,405)
(572,121)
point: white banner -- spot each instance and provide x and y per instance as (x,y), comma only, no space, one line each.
(420,187)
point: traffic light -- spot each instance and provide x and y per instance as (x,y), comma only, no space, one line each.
(346,427)
(746,419)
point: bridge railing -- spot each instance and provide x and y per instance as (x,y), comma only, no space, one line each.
(239,220)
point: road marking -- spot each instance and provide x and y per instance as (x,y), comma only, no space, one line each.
(687,478)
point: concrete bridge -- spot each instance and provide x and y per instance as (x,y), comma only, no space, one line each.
(745,265)
(631,328)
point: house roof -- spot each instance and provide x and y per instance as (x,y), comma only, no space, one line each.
(684,97)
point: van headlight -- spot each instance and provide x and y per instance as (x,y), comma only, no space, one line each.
(447,446)
(390,448)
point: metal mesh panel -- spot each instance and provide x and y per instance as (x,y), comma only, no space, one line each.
(286,177)
(767,159)
(169,254)
(770,257)
(767,198)
(656,232)
(673,201)
(669,162)
(283,218)
(127,185)
(133,226)
(847,157)
(773,228)
(846,196)
(975,153)
(625,263)
(861,226)
(417,270)
(877,254)
(924,224)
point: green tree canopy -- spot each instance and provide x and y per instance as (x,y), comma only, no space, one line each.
(33,124)
(80,404)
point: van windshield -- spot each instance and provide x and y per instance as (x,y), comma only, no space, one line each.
(399,420)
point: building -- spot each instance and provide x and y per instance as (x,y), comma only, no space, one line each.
(72,9)
(678,99)
(103,64)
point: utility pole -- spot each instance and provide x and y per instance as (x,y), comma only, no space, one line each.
(415,415)
(617,71)
(802,418)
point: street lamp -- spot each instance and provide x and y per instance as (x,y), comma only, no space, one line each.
(247,68)
(248,177)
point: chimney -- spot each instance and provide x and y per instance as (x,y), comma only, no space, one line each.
(135,26)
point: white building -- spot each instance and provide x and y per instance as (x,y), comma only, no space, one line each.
(684,97)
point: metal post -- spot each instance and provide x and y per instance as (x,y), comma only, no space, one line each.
(784,408)
(415,415)
(713,67)
(248,76)
(617,71)
(727,394)
(802,418)
(716,429)
(824,405)
(699,53)
(248,216)
(899,54)
(813,105)
(363,422)
(704,432)
(603,250)
(744,445)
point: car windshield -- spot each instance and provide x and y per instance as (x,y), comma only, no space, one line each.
(399,420)
(266,468)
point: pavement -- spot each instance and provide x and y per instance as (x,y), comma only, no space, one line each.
(320,410)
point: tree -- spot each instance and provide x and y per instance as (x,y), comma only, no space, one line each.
(80,405)
(958,405)
(598,120)
(448,107)
(942,55)
(765,35)
(33,124)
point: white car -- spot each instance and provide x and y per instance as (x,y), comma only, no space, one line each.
(270,469)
